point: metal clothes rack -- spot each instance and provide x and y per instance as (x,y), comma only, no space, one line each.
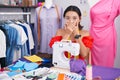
(18,13)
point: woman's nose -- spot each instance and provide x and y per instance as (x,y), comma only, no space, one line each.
(71,21)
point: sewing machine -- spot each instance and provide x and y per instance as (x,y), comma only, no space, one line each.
(59,59)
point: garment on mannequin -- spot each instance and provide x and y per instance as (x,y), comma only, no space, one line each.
(92,3)
(48,3)
(50,20)
(102,29)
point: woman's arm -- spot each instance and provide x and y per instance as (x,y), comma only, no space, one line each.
(84,51)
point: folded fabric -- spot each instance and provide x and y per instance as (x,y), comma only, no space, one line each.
(19,63)
(33,58)
(30,66)
(12,68)
(46,60)
(17,66)
(78,66)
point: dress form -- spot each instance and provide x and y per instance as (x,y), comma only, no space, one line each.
(49,24)
(102,16)
(48,3)
(92,3)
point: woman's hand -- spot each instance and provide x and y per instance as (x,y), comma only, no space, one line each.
(76,30)
(70,27)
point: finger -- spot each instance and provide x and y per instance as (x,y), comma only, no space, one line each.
(74,25)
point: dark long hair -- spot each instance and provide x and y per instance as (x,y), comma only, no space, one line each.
(75,9)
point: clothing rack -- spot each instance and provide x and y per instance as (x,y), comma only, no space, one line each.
(18,13)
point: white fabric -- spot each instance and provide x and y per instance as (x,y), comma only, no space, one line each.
(92,3)
(30,36)
(2,44)
(17,55)
(21,32)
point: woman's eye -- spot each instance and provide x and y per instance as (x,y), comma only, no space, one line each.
(74,18)
(67,18)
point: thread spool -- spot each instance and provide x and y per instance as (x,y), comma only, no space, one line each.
(89,72)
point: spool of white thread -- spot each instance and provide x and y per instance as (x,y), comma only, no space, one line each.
(89,72)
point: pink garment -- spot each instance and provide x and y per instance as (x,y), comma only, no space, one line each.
(103,31)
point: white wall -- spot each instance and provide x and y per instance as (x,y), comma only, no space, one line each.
(117,60)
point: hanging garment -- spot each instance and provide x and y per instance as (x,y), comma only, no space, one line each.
(48,27)
(2,44)
(103,31)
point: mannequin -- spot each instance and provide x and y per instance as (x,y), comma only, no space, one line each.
(48,3)
(48,18)
(92,3)
(102,29)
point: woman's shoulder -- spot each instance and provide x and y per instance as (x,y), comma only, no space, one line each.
(60,31)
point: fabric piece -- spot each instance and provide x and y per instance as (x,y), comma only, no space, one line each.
(33,58)
(103,15)
(105,73)
(2,44)
(12,68)
(30,66)
(19,64)
(78,66)
(61,76)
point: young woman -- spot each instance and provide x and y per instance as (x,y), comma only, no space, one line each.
(73,31)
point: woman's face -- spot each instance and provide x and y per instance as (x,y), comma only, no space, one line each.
(72,17)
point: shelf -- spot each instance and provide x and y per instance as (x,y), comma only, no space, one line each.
(24,8)
(9,6)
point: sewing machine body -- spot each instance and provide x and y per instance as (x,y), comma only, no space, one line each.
(59,59)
